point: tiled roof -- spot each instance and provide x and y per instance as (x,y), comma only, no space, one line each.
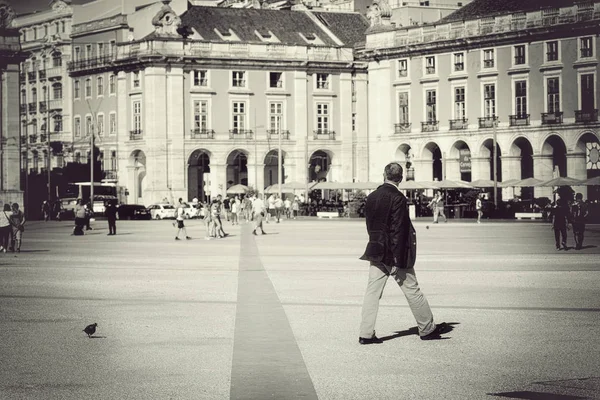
(350,28)
(489,8)
(286,25)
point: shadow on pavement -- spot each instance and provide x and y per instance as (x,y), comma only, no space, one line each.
(415,331)
(535,396)
(589,246)
(97,337)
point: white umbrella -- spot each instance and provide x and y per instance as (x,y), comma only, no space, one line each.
(238,189)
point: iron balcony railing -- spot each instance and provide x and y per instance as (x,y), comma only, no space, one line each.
(89,63)
(586,115)
(552,118)
(518,120)
(202,134)
(240,134)
(23,140)
(402,127)
(135,134)
(488,63)
(458,124)
(323,134)
(430,126)
(110,174)
(459,66)
(488,122)
(32,107)
(55,104)
(274,134)
(43,138)
(32,138)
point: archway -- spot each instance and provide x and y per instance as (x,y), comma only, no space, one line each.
(319,166)
(555,147)
(404,156)
(237,168)
(137,162)
(586,162)
(271,168)
(459,161)
(487,151)
(199,175)
(433,153)
(522,148)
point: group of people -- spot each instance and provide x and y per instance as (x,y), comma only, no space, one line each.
(12,226)
(564,214)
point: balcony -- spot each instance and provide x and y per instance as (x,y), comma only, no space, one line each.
(43,138)
(22,77)
(202,134)
(586,116)
(430,126)
(54,72)
(518,120)
(55,104)
(110,174)
(135,134)
(23,108)
(43,107)
(240,134)
(32,138)
(488,122)
(23,140)
(552,118)
(42,74)
(274,134)
(323,134)
(31,76)
(459,124)
(90,63)
(402,127)
(32,107)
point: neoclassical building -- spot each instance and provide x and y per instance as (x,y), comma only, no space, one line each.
(190,103)
(516,74)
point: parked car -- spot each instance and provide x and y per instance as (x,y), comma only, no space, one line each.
(133,211)
(161,211)
(189,211)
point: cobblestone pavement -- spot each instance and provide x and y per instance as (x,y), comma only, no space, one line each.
(276,316)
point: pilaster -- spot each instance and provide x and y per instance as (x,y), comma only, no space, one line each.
(300,132)
(361,150)
(346,135)
(577,168)
(480,168)
(543,169)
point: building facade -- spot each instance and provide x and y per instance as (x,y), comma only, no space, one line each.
(10,57)
(204,99)
(442,94)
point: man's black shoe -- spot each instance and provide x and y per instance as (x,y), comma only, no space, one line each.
(440,329)
(373,340)
(264,233)
(254,233)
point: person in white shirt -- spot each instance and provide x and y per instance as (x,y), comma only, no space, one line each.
(258,209)
(278,207)
(235,209)
(287,204)
(479,208)
(271,207)
(180,225)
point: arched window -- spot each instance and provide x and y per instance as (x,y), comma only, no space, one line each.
(56,59)
(36,160)
(57,91)
(23,96)
(33,95)
(34,126)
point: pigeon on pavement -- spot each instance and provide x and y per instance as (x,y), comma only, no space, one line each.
(90,329)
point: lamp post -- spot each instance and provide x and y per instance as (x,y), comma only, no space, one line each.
(495,162)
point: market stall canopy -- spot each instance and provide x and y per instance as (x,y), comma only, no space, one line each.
(561,181)
(591,182)
(238,189)
(347,185)
(528,182)
(509,183)
(288,187)
(448,184)
(413,185)
(484,183)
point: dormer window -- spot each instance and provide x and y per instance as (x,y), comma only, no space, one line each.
(276,80)
(264,33)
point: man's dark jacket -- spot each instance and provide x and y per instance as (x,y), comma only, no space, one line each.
(392,238)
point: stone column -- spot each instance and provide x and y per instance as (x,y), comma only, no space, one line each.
(301,127)
(261,177)
(361,156)
(577,168)
(480,168)
(175,124)
(511,169)
(543,168)
(452,169)
(346,162)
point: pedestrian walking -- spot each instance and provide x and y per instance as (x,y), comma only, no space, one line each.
(210,227)
(278,207)
(179,219)
(46,210)
(560,224)
(17,220)
(270,207)
(295,207)
(479,208)
(258,213)
(248,209)
(219,211)
(227,208)
(80,216)
(391,250)
(110,210)
(89,213)
(287,205)
(579,213)
(5,228)
(437,205)
(57,209)
(235,208)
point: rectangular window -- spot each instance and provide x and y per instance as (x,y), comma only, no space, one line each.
(587,92)
(238,79)
(201,115)
(459,62)
(431,106)
(57,91)
(430,65)
(113,160)
(88,87)
(201,78)
(521,98)
(135,79)
(100,49)
(489,100)
(403,116)
(323,117)
(112,47)
(275,80)
(112,124)
(100,86)
(323,81)
(100,119)
(88,51)
(88,125)
(275,116)
(58,123)
(585,46)
(402,68)
(552,51)
(553,95)
(239,116)
(76,89)
(77,126)
(488,58)
(459,103)
(520,55)
(137,116)
(112,84)
(77,55)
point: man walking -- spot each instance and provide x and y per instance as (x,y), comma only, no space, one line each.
(180,225)
(391,251)
(579,213)
(479,208)
(111,215)
(258,211)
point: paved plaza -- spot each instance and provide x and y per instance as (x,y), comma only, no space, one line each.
(277,316)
